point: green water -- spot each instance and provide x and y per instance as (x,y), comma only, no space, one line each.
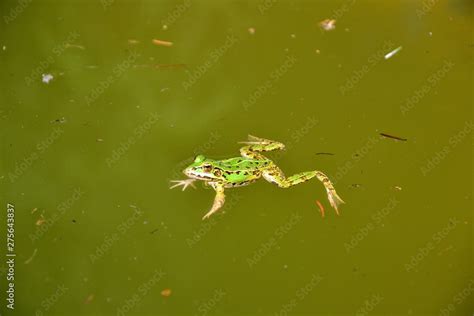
(87,158)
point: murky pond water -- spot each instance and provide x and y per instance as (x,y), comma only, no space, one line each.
(104,102)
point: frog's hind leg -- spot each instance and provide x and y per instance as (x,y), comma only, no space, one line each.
(218,200)
(255,145)
(275,175)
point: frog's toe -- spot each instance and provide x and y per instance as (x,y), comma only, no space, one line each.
(335,201)
(184,183)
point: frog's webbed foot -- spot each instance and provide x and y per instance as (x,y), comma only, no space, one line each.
(185,183)
(218,200)
(254,140)
(333,198)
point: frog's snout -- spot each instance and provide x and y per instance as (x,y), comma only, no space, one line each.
(187,171)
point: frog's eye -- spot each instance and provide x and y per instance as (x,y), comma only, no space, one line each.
(217,172)
(199,158)
(206,168)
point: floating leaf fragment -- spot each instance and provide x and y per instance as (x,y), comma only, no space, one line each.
(393,52)
(328,24)
(46,78)
(166,293)
(321,208)
(162,43)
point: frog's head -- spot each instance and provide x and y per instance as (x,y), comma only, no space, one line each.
(203,169)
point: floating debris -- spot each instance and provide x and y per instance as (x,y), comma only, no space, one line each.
(74,46)
(46,78)
(34,210)
(251,30)
(356,185)
(32,256)
(154,231)
(324,153)
(328,24)
(164,27)
(99,140)
(450,247)
(321,208)
(393,52)
(4,47)
(74,221)
(393,137)
(162,43)
(397,188)
(166,293)
(133,41)
(318,51)
(159,66)
(40,221)
(89,299)
(60,120)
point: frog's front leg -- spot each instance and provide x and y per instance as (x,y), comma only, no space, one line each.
(218,200)
(256,145)
(275,175)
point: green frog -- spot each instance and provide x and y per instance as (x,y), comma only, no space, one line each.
(240,171)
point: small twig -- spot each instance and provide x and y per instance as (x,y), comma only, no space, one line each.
(393,137)
(323,153)
(32,256)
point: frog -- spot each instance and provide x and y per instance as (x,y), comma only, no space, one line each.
(246,169)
